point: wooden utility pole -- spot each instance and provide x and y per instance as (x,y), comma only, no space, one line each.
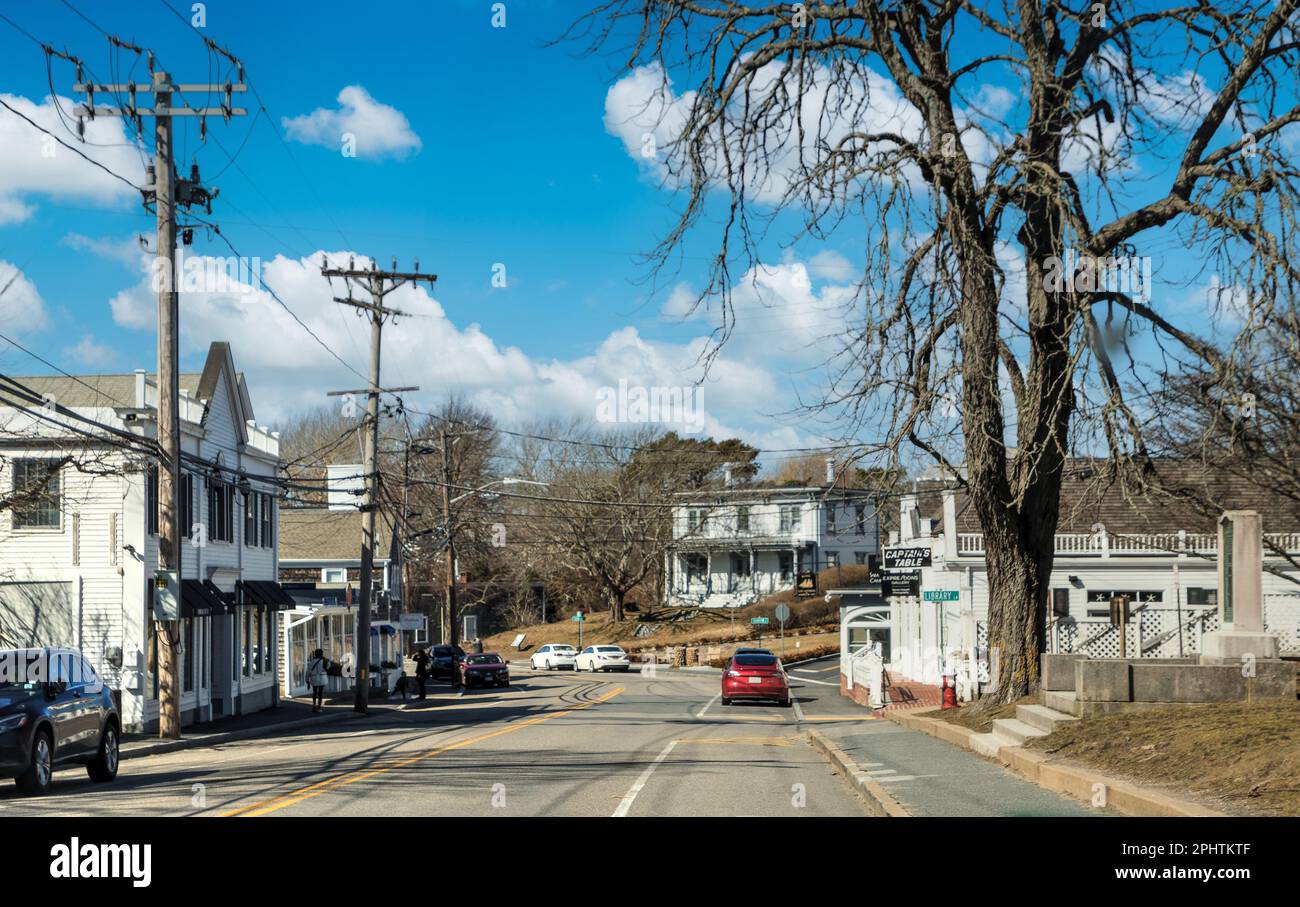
(168,192)
(453,630)
(378,284)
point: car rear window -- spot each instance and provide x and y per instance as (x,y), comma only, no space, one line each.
(756,661)
(608,649)
(484,660)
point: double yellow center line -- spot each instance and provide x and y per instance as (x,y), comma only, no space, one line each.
(347,778)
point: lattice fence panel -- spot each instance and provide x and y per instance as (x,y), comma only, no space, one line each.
(1282,619)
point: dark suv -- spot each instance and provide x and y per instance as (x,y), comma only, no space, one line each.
(446,661)
(54,709)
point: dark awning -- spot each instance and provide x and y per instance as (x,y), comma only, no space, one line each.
(226,598)
(197,600)
(267,593)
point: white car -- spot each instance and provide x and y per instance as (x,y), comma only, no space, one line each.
(553,657)
(602,658)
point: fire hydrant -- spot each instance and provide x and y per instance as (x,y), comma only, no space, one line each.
(949,691)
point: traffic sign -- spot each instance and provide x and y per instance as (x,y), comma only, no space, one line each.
(941,595)
(782,612)
(579,617)
(758,620)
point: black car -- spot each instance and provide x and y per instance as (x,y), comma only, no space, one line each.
(54,710)
(445,662)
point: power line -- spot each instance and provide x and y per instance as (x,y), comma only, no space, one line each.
(71,148)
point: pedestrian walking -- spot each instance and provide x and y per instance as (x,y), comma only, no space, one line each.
(422,660)
(317,672)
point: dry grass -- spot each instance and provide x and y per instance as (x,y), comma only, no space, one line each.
(808,616)
(1246,755)
(704,630)
(981,720)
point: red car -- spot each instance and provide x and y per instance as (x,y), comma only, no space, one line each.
(485,668)
(755,675)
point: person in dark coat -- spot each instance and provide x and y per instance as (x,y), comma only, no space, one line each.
(422,661)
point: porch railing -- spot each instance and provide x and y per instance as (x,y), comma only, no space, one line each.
(971,544)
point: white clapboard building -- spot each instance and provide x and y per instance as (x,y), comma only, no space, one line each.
(1159,554)
(733,545)
(79,542)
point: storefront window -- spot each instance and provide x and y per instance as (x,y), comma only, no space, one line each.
(259,636)
(187,655)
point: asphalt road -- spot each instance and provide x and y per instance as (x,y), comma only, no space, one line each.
(555,744)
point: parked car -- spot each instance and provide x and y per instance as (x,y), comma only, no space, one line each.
(54,710)
(445,660)
(601,658)
(755,675)
(554,656)
(485,668)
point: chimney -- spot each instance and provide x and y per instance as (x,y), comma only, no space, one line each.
(727,477)
(830,470)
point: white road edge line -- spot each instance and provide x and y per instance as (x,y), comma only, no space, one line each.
(798,710)
(700,713)
(626,803)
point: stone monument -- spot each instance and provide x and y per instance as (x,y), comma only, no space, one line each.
(1241,599)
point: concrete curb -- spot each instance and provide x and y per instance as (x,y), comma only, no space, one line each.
(879,801)
(137,751)
(1063,777)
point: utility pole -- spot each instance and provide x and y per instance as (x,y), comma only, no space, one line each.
(453,631)
(168,192)
(378,284)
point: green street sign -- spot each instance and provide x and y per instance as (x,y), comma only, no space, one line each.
(758,620)
(579,617)
(941,595)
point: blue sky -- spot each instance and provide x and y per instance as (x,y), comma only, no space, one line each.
(476,147)
(515,165)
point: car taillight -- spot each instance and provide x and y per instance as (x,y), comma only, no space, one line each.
(733,674)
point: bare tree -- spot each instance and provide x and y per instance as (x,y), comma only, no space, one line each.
(995,218)
(1232,432)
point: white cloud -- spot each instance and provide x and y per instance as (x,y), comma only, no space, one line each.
(21,307)
(91,354)
(127,251)
(34,164)
(643,110)
(680,304)
(831,265)
(288,371)
(379,129)
(780,311)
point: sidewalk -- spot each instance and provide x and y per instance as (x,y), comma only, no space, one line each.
(932,778)
(291,713)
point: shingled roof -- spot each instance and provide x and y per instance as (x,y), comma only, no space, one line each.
(318,534)
(1092,495)
(97,390)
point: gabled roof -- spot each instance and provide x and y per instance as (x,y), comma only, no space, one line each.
(118,390)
